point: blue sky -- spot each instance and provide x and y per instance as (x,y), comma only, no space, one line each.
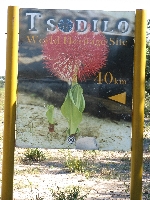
(107,5)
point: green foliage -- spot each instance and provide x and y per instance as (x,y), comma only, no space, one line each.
(147,104)
(2,81)
(147,75)
(34,155)
(50,114)
(68,194)
(73,107)
(76,165)
(2,95)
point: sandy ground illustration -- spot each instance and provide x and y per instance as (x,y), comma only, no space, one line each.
(32,128)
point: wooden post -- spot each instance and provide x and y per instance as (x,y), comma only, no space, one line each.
(10,103)
(138,105)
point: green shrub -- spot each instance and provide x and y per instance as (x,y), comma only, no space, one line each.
(68,194)
(34,155)
(76,165)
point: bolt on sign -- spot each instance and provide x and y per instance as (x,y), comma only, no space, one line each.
(75,79)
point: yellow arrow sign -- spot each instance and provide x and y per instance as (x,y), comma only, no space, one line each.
(121,98)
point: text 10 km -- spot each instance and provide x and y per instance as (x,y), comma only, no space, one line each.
(108,78)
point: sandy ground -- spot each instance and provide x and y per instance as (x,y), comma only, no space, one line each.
(32,128)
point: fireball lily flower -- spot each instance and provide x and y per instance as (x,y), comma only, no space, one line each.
(71,57)
(75,55)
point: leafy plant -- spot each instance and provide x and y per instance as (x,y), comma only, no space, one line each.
(68,194)
(34,155)
(76,165)
(50,114)
(73,107)
(72,63)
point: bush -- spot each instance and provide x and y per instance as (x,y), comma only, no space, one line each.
(68,194)
(34,155)
(76,165)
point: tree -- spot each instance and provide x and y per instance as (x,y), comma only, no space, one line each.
(147,78)
(147,73)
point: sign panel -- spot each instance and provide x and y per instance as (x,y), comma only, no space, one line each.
(75,79)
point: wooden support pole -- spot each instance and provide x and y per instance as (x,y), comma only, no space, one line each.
(138,105)
(10,103)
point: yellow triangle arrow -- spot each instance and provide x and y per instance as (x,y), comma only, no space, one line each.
(121,98)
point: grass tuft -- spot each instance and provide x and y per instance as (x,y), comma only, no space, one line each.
(34,155)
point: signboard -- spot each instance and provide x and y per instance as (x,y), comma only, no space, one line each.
(75,79)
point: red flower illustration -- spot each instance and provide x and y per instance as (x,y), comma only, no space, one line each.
(75,55)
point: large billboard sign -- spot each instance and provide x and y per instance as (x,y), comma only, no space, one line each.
(75,79)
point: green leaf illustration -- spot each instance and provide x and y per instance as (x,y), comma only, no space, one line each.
(77,97)
(50,114)
(73,107)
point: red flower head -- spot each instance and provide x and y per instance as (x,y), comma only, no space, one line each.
(75,54)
